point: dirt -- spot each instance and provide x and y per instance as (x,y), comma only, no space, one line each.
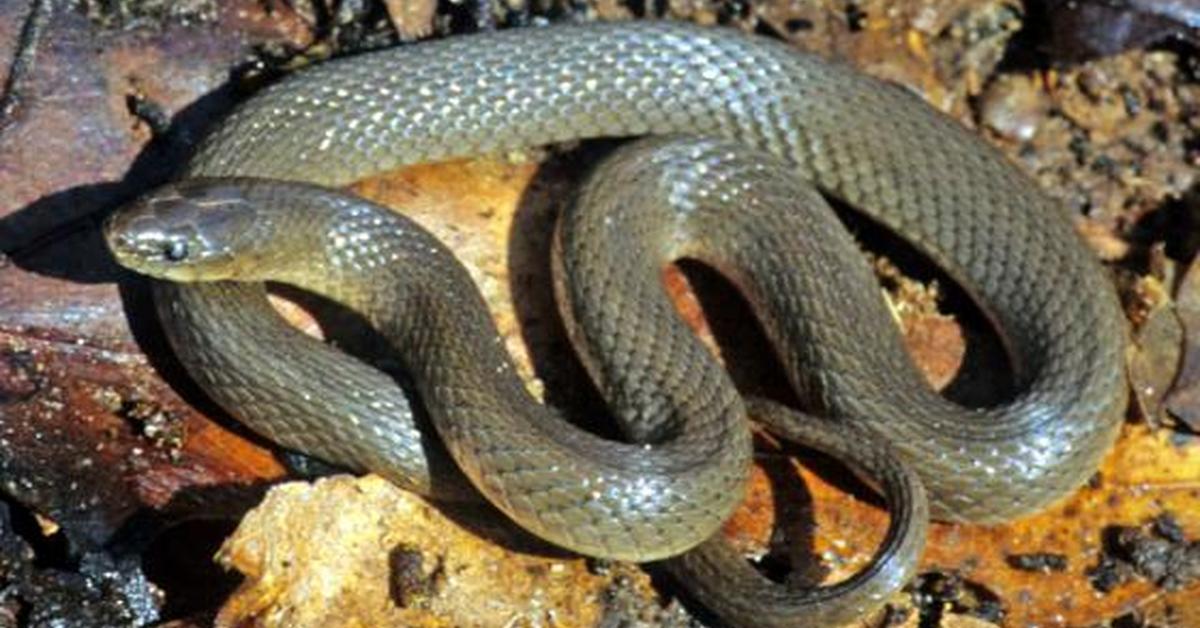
(111,103)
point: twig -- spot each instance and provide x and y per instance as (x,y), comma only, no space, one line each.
(23,61)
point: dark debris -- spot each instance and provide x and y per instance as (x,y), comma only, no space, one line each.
(856,17)
(895,615)
(1157,552)
(99,591)
(132,14)
(152,114)
(1130,620)
(411,586)
(1044,562)
(148,416)
(625,606)
(936,593)
(19,376)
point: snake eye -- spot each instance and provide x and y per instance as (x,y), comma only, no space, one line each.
(175,250)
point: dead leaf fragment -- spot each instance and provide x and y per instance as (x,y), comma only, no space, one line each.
(1154,361)
(1102,239)
(1183,399)
(412,19)
(1085,29)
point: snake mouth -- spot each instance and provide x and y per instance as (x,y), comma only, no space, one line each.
(132,246)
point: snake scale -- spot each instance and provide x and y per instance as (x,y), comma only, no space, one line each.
(762,120)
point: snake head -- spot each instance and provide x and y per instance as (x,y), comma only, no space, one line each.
(186,231)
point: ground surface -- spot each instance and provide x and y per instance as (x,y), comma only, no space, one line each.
(120,480)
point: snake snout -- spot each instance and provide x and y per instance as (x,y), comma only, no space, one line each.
(138,240)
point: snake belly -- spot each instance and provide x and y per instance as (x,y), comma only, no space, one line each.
(873,145)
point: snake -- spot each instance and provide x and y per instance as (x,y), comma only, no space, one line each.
(770,118)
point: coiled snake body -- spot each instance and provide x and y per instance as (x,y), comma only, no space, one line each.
(775,118)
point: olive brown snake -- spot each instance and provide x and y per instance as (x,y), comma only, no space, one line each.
(864,142)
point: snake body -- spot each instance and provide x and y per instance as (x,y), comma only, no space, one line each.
(631,219)
(872,145)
